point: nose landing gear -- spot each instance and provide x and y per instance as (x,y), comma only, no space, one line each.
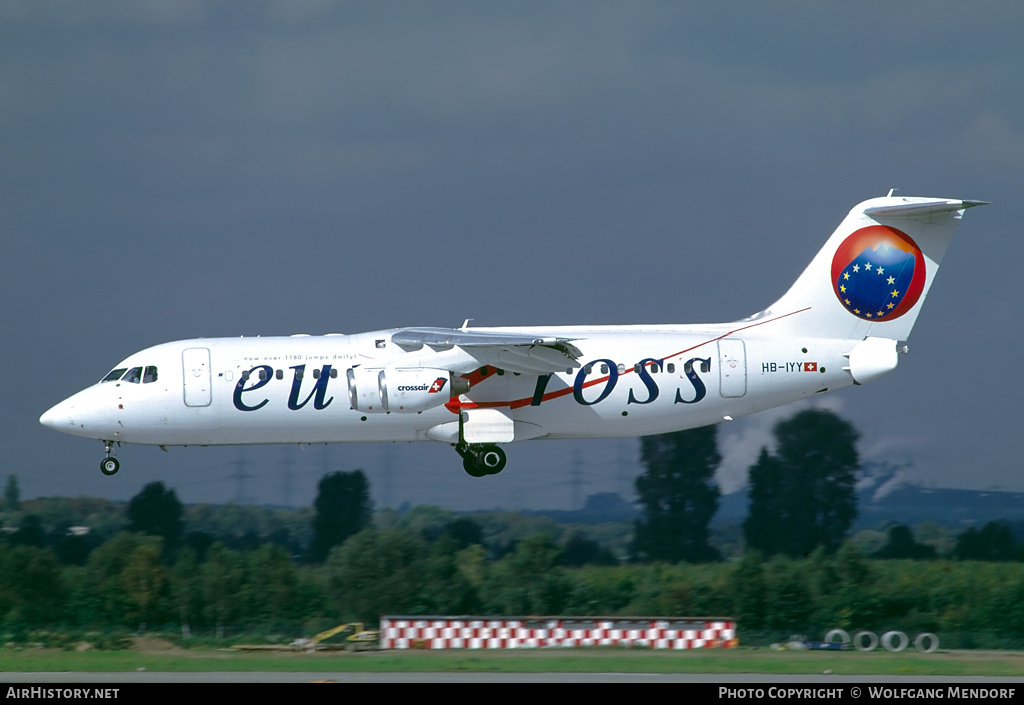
(109,465)
(481,459)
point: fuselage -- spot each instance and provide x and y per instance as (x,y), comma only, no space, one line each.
(631,380)
(840,323)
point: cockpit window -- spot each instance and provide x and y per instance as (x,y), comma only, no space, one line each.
(150,375)
(114,375)
(134,375)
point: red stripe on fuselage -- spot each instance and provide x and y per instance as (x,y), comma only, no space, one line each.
(476,377)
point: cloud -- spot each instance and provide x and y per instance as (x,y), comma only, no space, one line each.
(884,476)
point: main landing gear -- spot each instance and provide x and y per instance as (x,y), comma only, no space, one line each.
(481,459)
(109,465)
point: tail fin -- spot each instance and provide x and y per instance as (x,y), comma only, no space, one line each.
(872,276)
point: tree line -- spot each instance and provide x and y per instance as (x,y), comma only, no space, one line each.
(296,572)
(129,584)
(802,497)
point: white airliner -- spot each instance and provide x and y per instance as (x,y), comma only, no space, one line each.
(843,322)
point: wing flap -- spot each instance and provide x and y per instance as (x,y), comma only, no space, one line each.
(516,352)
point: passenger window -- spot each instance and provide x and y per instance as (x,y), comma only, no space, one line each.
(621,368)
(671,368)
(279,374)
(334,373)
(134,375)
(263,374)
(604,369)
(688,367)
(150,375)
(115,375)
(655,368)
(316,373)
(705,367)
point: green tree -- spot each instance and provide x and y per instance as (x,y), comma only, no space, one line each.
(343,509)
(530,580)
(580,550)
(994,542)
(749,590)
(678,496)
(105,598)
(789,603)
(32,590)
(156,511)
(377,572)
(223,581)
(186,589)
(144,580)
(275,600)
(901,544)
(30,532)
(446,587)
(803,496)
(12,494)
(464,532)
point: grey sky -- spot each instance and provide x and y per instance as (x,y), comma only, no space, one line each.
(180,169)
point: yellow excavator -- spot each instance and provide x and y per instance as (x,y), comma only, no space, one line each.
(359,640)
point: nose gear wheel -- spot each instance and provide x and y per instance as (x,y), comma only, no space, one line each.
(109,465)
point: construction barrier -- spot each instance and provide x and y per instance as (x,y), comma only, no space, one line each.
(549,632)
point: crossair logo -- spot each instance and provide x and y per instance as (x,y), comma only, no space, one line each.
(434,388)
(878,273)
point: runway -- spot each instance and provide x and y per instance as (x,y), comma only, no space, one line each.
(141,677)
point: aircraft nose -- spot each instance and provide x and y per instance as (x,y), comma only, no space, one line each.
(58,417)
(87,414)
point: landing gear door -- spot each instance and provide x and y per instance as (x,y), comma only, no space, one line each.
(487,426)
(732,365)
(195,364)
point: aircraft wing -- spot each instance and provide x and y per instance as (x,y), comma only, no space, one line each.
(515,352)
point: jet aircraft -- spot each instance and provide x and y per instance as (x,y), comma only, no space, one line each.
(845,321)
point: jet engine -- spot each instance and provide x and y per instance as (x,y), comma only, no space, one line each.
(402,390)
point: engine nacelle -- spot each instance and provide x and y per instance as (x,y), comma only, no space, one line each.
(364,389)
(402,390)
(419,388)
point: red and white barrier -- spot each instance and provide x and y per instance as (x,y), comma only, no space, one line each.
(546,632)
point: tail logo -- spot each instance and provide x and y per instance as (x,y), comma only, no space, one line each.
(878,273)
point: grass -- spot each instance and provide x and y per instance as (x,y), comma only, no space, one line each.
(741,660)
